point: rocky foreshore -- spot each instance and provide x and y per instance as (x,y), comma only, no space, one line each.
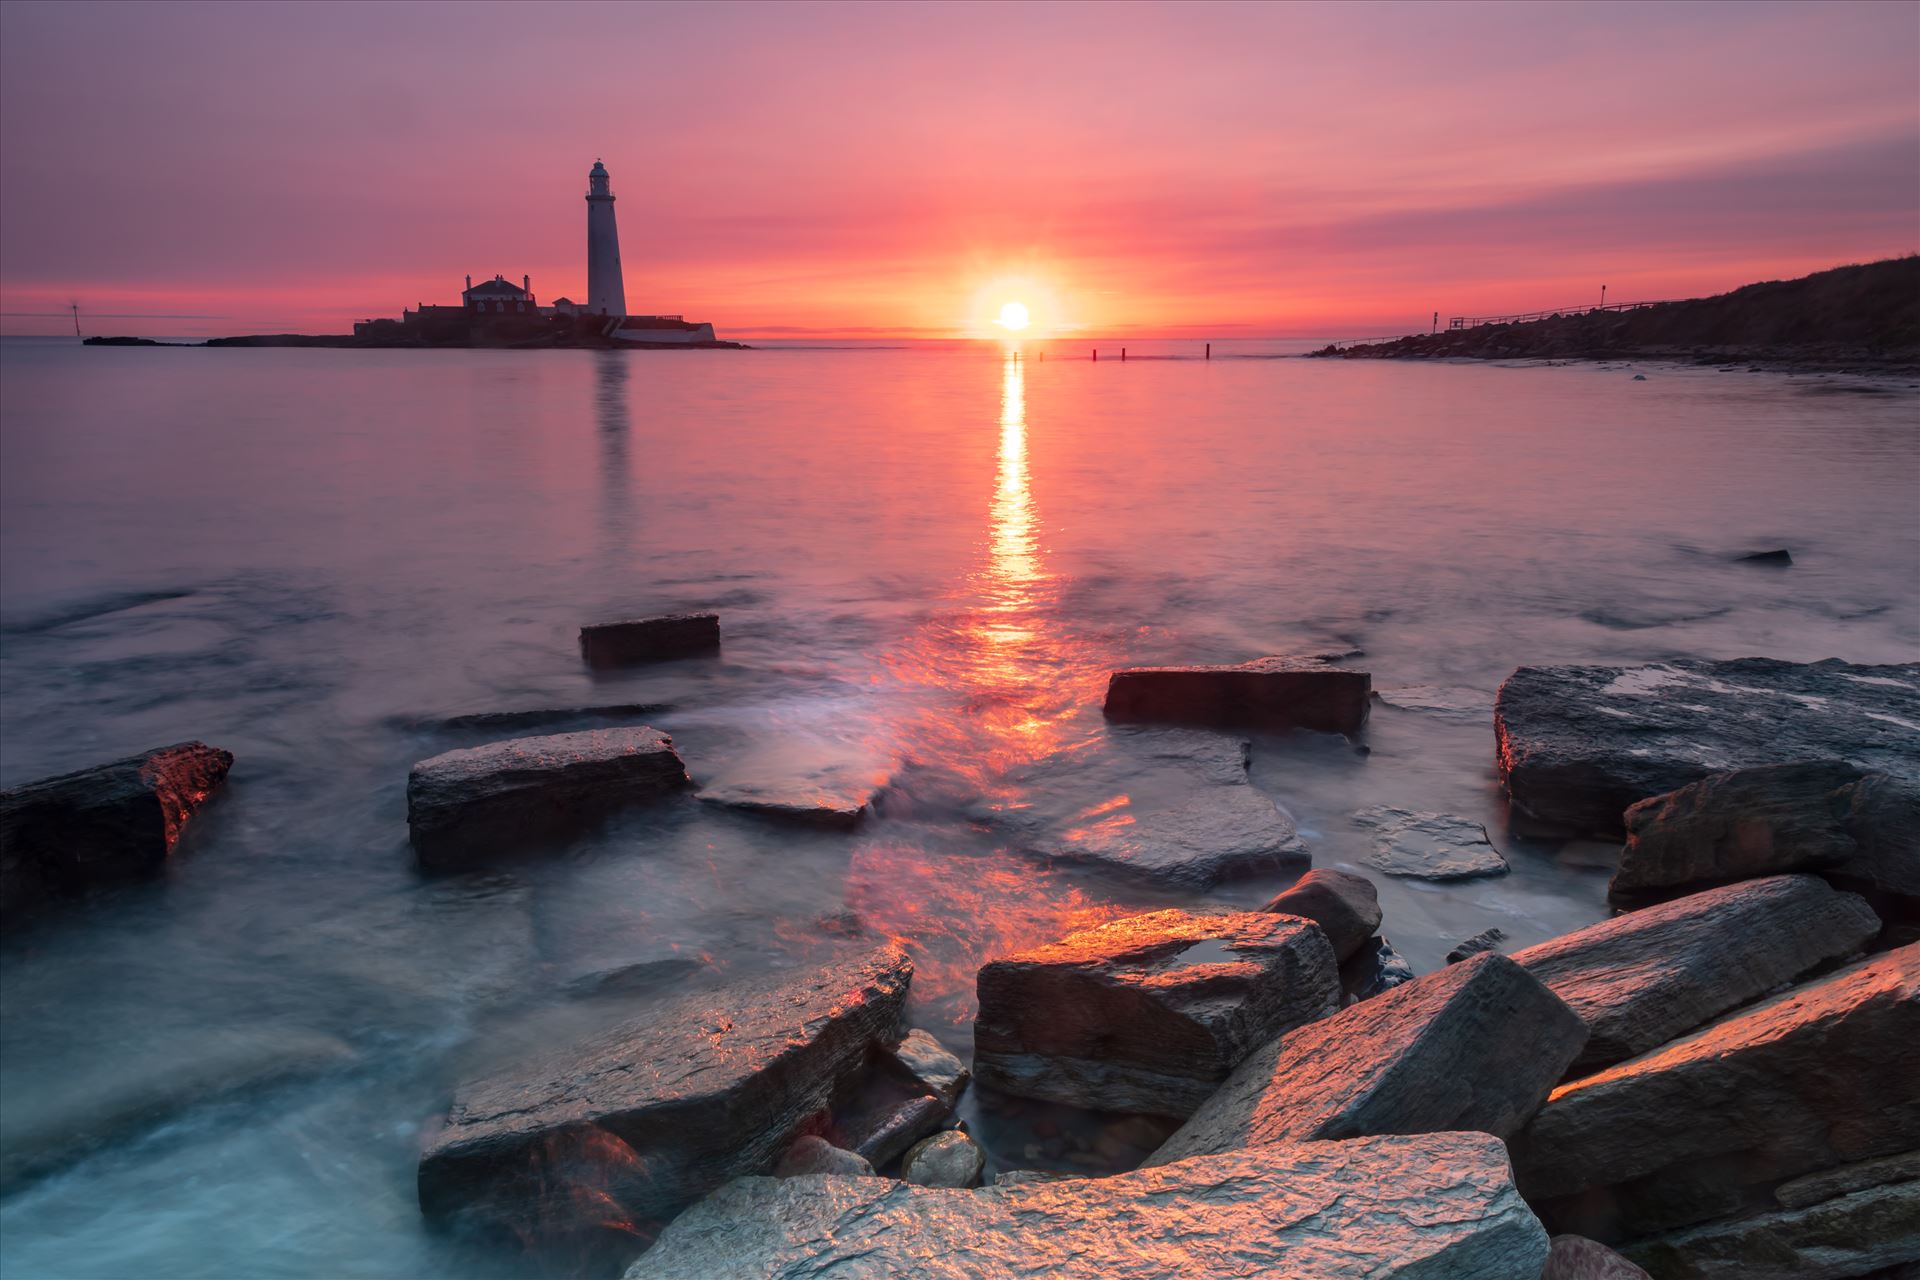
(1715,1082)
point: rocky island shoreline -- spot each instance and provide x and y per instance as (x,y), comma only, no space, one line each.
(1715,1082)
(1863,319)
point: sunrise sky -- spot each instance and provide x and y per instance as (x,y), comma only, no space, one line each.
(1186,170)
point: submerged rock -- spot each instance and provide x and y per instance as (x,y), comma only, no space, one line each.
(1374,969)
(465,804)
(1429,846)
(1221,834)
(1819,1076)
(1344,905)
(651,1115)
(1641,979)
(1825,816)
(811,1153)
(1578,745)
(801,781)
(1485,940)
(636,640)
(947,1159)
(532,718)
(1578,1258)
(1781,556)
(1870,1233)
(1148,1013)
(1434,1207)
(1267,693)
(107,825)
(1477,1045)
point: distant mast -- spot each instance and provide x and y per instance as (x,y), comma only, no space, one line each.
(606,291)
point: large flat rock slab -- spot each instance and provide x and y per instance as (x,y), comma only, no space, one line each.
(1870,1233)
(1437,1207)
(652,1115)
(800,780)
(1819,1076)
(1221,834)
(1429,846)
(1148,1013)
(488,799)
(1578,745)
(659,639)
(1641,979)
(1476,1046)
(1267,693)
(1817,815)
(101,826)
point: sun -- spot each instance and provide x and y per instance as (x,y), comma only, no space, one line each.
(1013,316)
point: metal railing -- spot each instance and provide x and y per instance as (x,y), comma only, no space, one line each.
(1474,322)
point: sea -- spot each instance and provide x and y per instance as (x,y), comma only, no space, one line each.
(926,558)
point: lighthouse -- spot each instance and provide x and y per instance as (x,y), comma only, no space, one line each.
(606,291)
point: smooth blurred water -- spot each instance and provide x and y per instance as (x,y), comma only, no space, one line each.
(928,557)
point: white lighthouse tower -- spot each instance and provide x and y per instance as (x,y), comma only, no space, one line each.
(606,290)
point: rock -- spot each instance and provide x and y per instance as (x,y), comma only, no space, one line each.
(1014,1177)
(1823,816)
(1818,1076)
(947,1159)
(1578,1258)
(1781,557)
(1344,905)
(1485,940)
(927,1061)
(1222,833)
(1578,745)
(1846,1179)
(1267,693)
(801,781)
(653,1114)
(811,1153)
(1375,968)
(1872,1232)
(669,975)
(1148,1013)
(107,825)
(674,635)
(880,1129)
(1435,1207)
(1641,979)
(1477,1045)
(1429,846)
(532,718)
(465,804)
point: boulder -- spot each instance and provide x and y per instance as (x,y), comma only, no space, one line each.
(1148,1013)
(882,1123)
(1435,1207)
(947,1159)
(1374,969)
(1578,1258)
(930,1065)
(1640,979)
(1823,815)
(1485,940)
(1578,745)
(466,804)
(810,1153)
(648,1117)
(1702,1127)
(1429,846)
(1267,693)
(1846,1179)
(107,825)
(673,635)
(1344,905)
(1875,1232)
(1477,1045)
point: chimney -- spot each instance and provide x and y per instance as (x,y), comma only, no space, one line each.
(526,285)
(469,279)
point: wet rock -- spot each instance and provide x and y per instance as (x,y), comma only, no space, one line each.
(1875,1232)
(1640,979)
(812,784)
(1148,1013)
(1485,940)
(636,640)
(533,718)
(1477,1045)
(947,1159)
(1846,1179)
(671,975)
(465,804)
(1439,1205)
(1781,557)
(1823,816)
(1267,693)
(649,1116)
(107,825)
(1578,1258)
(1344,905)
(1374,969)
(1816,1077)
(1221,834)
(1014,1177)
(1578,745)
(930,1065)
(1429,846)
(882,1125)
(811,1153)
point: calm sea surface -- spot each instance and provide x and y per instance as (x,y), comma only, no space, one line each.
(926,560)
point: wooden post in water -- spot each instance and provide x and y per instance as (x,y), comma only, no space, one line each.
(1123,354)
(1096,355)
(1209,351)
